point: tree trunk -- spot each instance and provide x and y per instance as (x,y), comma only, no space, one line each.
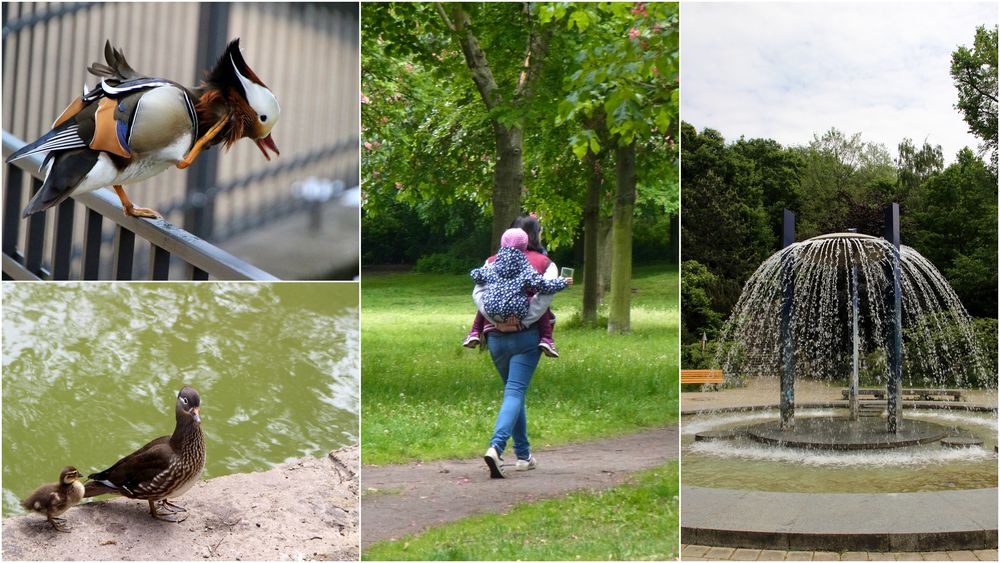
(508,180)
(621,240)
(508,174)
(591,209)
(603,256)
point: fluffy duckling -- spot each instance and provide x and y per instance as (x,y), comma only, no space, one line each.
(54,499)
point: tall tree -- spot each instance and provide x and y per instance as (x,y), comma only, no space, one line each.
(504,107)
(627,68)
(974,71)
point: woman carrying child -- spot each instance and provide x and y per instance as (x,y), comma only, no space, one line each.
(514,341)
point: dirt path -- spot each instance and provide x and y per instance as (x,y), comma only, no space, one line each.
(405,499)
(306,509)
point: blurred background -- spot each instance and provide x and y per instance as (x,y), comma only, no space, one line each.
(296,216)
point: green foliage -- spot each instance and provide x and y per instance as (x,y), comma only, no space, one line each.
(733,195)
(426,397)
(967,365)
(445,263)
(428,139)
(725,225)
(836,181)
(693,357)
(698,316)
(635,521)
(954,225)
(974,71)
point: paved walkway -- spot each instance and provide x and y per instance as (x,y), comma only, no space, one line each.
(892,521)
(709,553)
(407,499)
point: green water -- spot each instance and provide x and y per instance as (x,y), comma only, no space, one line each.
(91,371)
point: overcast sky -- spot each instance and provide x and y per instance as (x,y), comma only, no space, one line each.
(787,71)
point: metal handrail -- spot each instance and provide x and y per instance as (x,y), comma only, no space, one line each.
(166,239)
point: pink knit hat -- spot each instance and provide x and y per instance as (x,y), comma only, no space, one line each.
(514,238)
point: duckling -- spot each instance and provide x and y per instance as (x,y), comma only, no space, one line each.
(166,467)
(54,499)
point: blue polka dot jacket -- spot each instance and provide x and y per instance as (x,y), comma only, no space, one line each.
(508,281)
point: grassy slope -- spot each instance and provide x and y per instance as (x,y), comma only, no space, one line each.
(631,522)
(425,397)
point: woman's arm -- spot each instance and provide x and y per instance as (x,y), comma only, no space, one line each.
(540,303)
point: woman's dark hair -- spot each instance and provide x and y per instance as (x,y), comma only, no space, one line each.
(530,225)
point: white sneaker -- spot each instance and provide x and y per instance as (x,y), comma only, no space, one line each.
(495,463)
(526,464)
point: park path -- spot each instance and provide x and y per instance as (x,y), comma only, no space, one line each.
(404,499)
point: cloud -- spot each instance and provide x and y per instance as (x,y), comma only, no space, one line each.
(788,71)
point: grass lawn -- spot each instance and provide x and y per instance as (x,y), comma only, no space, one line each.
(425,397)
(635,521)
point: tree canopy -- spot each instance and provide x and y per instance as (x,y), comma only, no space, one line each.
(974,71)
(734,192)
(605,74)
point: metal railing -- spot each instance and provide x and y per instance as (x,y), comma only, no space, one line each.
(307,53)
(75,250)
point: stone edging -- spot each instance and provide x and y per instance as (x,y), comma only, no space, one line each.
(931,521)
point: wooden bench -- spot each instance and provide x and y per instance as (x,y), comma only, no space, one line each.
(702,376)
(925,394)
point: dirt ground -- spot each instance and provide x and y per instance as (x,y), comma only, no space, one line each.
(405,499)
(306,509)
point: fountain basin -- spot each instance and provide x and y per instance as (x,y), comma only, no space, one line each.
(833,433)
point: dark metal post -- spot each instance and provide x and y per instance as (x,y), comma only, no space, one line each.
(895,359)
(213,23)
(853,387)
(787,310)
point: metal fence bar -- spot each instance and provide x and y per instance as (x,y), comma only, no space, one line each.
(12,269)
(124,253)
(35,244)
(90,263)
(213,21)
(159,263)
(12,209)
(206,259)
(42,17)
(62,250)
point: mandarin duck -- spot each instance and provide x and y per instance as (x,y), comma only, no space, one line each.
(54,499)
(131,127)
(164,468)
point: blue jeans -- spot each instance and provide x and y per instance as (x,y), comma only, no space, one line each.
(515,356)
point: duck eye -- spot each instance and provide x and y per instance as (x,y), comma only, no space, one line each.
(185,400)
(263,118)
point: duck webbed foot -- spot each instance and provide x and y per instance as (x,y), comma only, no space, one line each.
(59,524)
(166,511)
(171,507)
(132,210)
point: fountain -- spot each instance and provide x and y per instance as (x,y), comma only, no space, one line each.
(816,303)
(833,474)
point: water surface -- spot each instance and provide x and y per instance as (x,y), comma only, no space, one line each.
(91,372)
(745,464)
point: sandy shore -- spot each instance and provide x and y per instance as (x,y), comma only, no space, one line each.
(306,509)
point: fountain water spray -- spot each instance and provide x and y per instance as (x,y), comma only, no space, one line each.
(838,303)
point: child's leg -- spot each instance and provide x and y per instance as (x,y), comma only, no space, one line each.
(474,337)
(546,323)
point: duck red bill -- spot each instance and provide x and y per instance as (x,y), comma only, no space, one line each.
(267,143)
